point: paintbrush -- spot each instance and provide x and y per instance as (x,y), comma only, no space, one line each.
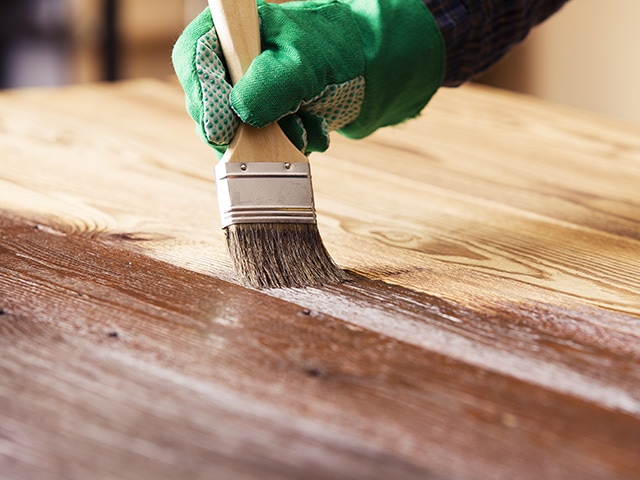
(264,186)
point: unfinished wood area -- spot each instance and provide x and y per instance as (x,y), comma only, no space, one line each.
(490,329)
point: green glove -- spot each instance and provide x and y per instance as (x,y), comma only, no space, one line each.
(347,65)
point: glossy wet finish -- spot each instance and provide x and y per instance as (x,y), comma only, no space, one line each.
(108,348)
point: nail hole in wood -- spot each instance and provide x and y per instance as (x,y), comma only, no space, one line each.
(314,372)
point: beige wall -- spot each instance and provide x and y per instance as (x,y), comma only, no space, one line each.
(587,55)
(147,31)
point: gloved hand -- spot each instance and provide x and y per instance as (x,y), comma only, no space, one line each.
(347,65)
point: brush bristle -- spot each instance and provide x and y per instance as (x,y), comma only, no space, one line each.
(281,255)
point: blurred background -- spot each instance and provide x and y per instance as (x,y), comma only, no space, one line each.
(586,56)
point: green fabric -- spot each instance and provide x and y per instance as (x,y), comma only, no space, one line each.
(350,65)
(307,46)
(405,57)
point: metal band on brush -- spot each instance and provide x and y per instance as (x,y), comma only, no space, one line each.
(264,192)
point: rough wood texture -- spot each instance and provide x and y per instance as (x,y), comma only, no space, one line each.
(490,331)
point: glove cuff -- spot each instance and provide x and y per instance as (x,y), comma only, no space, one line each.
(404,61)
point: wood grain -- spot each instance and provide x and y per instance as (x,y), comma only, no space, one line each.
(490,330)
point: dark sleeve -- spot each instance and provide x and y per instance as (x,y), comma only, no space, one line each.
(477,33)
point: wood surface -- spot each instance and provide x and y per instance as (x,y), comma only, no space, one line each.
(490,330)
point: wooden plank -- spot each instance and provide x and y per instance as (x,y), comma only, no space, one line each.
(107,349)
(490,330)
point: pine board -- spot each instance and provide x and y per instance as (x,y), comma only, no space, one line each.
(490,329)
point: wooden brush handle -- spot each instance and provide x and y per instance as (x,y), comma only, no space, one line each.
(238,29)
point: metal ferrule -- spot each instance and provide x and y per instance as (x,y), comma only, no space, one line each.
(264,192)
